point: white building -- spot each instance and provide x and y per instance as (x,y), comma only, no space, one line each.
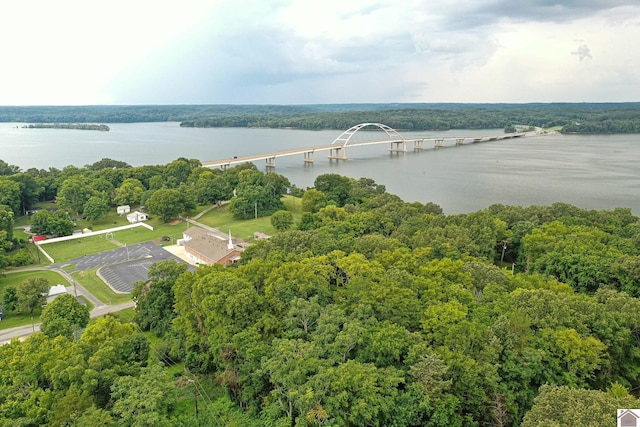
(136,216)
(124,209)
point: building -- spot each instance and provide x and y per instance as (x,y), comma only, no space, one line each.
(205,247)
(54,291)
(136,216)
(124,209)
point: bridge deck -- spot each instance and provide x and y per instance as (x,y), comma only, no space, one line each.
(271,156)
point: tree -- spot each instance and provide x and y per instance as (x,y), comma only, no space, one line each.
(63,316)
(95,208)
(7,169)
(106,163)
(30,190)
(6,227)
(335,187)
(129,193)
(144,400)
(40,222)
(211,188)
(74,193)
(313,200)
(32,294)
(60,224)
(155,298)
(10,194)
(282,220)
(10,299)
(564,406)
(166,202)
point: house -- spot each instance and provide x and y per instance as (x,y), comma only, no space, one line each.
(205,247)
(628,417)
(124,209)
(136,216)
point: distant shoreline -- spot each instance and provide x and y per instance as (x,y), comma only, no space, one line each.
(80,126)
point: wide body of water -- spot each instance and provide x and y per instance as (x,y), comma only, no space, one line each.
(589,171)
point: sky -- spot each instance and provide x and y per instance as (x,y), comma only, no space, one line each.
(122,52)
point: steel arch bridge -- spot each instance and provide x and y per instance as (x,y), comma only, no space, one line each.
(338,148)
(340,144)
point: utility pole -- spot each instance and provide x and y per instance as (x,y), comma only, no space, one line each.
(256,209)
(195,393)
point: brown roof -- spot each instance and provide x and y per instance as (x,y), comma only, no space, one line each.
(207,245)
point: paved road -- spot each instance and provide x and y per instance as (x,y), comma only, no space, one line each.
(22,332)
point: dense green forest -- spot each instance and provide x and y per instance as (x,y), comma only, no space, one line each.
(368,311)
(570,117)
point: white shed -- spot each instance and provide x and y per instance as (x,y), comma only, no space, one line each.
(136,216)
(124,209)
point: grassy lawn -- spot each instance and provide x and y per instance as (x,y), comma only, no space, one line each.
(126,315)
(12,319)
(222,219)
(132,236)
(92,283)
(69,249)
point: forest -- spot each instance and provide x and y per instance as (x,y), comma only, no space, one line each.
(365,311)
(568,117)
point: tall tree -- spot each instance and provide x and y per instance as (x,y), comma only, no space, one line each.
(74,193)
(155,298)
(32,294)
(63,316)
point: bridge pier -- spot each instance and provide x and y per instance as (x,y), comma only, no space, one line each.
(417,144)
(270,162)
(395,146)
(438,143)
(338,153)
(225,166)
(308,157)
(459,141)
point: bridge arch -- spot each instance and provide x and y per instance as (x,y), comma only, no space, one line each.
(345,137)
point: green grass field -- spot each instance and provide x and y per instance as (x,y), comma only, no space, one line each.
(222,219)
(92,283)
(69,249)
(12,319)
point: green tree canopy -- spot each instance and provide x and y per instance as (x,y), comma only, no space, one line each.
(63,316)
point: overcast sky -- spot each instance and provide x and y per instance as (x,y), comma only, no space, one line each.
(77,52)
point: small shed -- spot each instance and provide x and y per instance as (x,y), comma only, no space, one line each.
(124,209)
(54,291)
(136,216)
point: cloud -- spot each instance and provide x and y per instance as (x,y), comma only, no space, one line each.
(296,51)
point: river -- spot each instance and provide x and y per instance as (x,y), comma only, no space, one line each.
(589,171)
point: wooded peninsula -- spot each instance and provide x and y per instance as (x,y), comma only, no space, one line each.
(568,117)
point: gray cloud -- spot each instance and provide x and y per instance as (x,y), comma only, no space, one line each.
(482,13)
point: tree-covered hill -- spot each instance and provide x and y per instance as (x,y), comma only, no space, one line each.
(571,117)
(368,311)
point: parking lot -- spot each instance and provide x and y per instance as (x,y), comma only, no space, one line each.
(121,268)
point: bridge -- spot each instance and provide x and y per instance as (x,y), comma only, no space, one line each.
(338,148)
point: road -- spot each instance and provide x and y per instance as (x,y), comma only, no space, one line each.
(22,332)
